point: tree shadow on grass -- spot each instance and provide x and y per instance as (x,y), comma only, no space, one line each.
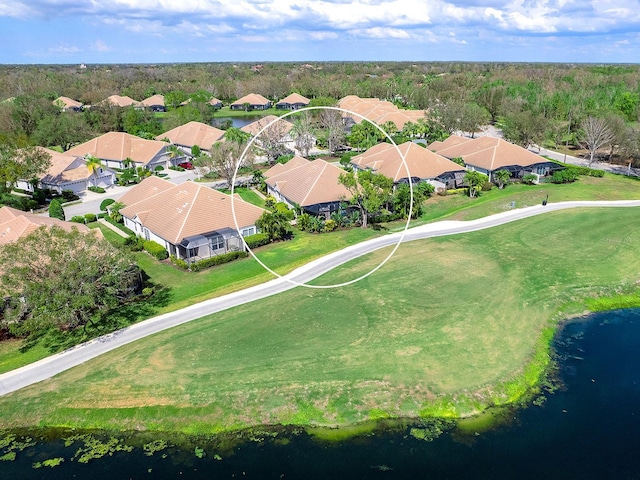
(56,340)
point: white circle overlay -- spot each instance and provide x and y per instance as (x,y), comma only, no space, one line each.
(284,277)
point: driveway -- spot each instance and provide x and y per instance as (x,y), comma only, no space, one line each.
(60,362)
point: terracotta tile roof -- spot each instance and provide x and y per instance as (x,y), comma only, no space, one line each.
(60,162)
(254,127)
(188,209)
(66,102)
(153,100)
(283,167)
(491,153)
(193,133)
(310,183)
(119,101)
(379,111)
(422,163)
(252,99)
(15,224)
(294,98)
(119,146)
(448,142)
(145,189)
(215,101)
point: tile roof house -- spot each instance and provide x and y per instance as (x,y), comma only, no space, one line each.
(191,221)
(312,185)
(67,104)
(378,111)
(423,165)
(193,133)
(15,224)
(214,102)
(450,141)
(293,102)
(155,103)
(489,154)
(116,148)
(119,101)
(252,101)
(283,126)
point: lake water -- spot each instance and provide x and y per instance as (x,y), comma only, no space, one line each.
(237,122)
(588,429)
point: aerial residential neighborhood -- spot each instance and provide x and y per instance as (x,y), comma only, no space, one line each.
(206,264)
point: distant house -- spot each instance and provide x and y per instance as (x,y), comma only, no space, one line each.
(282,126)
(378,111)
(422,164)
(312,185)
(253,101)
(154,103)
(215,103)
(16,224)
(293,102)
(191,221)
(488,155)
(119,101)
(67,104)
(115,149)
(193,133)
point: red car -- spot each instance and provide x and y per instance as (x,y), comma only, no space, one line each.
(186,165)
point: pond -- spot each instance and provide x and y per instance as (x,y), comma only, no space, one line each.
(588,428)
(237,122)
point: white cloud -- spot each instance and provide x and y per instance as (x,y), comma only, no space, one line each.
(64,49)
(100,46)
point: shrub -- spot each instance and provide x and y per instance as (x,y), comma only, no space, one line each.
(69,196)
(176,168)
(56,210)
(77,219)
(487,186)
(257,240)
(217,260)
(105,203)
(270,202)
(95,189)
(147,291)
(568,175)
(304,221)
(90,217)
(178,262)
(282,208)
(134,243)
(457,191)
(155,249)
(330,225)
(529,179)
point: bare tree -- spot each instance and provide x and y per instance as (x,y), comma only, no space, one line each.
(224,158)
(332,122)
(596,134)
(272,139)
(303,134)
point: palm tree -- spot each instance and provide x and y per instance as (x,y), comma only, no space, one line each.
(274,224)
(93,164)
(173,152)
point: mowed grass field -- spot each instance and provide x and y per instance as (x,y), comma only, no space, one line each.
(446,326)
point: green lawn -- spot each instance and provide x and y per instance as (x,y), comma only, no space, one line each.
(227,112)
(247,195)
(447,326)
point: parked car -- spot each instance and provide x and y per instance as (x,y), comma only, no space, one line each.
(186,165)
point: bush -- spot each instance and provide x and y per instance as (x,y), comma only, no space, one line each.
(147,291)
(176,168)
(217,260)
(269,201)
(77,219)
(90,217)
(487,186)
(21,203)
(282,208)
(134,243)
(155,249)
(96,189)
(69,196)
(178,262)
(457,191)
(257,240)
(529,179)
(568,175)
(105,203)
(56,210)
(330,225)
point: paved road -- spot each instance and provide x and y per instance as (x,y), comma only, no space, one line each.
(60,362)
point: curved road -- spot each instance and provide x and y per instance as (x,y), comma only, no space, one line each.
(50,366)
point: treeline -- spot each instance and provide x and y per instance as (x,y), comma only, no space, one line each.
(534,103)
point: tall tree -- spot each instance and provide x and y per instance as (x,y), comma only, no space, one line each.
(333,125)
(524,128)
(370,192)
(302,133)
(225,159)
(64,279)
(28,164)
(596,134)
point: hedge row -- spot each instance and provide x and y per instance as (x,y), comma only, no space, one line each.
(87,218)
(217,260)
(257,240)
(155,249)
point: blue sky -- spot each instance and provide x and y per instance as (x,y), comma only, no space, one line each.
(158,31)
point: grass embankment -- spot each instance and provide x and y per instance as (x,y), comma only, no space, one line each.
(447,326)
(227,112)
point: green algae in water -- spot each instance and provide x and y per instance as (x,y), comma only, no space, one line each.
(52,462)
(153,447)
(8,457)
(94,448)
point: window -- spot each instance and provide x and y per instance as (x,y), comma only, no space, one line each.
(217,242)
(248,231)
(146,234)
